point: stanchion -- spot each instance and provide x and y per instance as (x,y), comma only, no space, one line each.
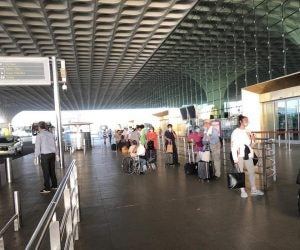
(8,168)
(17,206)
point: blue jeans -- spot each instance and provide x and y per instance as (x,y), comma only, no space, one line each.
(143,162)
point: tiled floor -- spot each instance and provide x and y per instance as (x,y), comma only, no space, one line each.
(165,209)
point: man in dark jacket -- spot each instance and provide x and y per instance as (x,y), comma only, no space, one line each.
(170,138)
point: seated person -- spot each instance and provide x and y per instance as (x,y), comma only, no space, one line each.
(139,150)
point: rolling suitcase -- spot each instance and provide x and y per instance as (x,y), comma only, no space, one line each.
(169,159)
(190,168)
(206,170)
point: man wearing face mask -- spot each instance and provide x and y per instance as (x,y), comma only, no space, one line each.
(211,137)
(242,153)
(170,137)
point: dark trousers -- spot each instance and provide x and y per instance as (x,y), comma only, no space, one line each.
(48,167)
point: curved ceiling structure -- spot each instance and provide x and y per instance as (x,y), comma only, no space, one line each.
(104,42)
(143,53)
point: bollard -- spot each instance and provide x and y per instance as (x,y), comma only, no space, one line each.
(8,168)
(18,220)
(84,147)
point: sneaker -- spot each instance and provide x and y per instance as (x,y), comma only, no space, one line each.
(244,195)
(256,193)
(45,191)
(54,188)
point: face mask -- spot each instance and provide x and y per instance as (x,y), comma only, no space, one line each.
(151,130)
(170,129)
(245,124)
(197,130)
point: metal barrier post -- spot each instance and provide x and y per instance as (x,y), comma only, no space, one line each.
(18,220)
(8,167)
(1,243)
(274,162)
(289,140)
(84,147)
(279,140)
(54,232)
(264,162)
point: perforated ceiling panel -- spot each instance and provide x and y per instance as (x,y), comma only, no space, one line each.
(105,43)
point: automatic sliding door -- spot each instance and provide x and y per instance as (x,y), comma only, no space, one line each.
(280,111)
(292,117)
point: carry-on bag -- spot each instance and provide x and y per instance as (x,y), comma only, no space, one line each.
(236,178)
(205,153)
(169,148)
(190,168)
(113,147)
(169,159)
(206,170)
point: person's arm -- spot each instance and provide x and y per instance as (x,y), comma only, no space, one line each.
(234,146)
(166,138)
(37,146)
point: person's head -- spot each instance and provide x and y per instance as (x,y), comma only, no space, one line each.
(170,127)
(138,128)
(134,142)
(207,124)
(151,129)
(197,129)
(142,126)
(243,121)
(42,126)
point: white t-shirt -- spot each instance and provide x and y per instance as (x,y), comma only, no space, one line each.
(240,138)
(141,151)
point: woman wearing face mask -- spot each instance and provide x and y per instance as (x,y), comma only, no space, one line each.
(170,137)
(196,138)
(151,144)
(242,153)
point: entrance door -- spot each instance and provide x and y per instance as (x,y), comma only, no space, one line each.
(280,111)
(292,117)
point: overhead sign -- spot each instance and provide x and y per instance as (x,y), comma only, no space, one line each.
(24,71)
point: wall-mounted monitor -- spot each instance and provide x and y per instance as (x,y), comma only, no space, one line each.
(184,113)
(191,111)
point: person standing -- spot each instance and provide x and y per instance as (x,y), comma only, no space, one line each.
(109,135)
(242,153)
(104,134)
(46,149)
(152,144)
(211,137)
(170,137)
(196,138)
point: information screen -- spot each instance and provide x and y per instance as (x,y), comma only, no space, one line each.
(24,71)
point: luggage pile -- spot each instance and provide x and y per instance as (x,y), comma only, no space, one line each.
(204,168)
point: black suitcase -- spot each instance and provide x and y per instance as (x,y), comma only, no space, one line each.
(190,168)
(113,147)
(169,159)
(206,170)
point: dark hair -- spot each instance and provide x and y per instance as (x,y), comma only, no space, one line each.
(142,126)
(134,142)
(42,125)
(240,119)
(170,125)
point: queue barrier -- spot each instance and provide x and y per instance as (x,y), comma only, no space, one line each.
(15,220)
(64,231)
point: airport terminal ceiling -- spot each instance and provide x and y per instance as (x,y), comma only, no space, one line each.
(167,53)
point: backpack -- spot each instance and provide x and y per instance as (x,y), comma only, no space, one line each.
(150,145)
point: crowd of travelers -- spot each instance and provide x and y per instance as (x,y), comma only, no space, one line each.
(206,145)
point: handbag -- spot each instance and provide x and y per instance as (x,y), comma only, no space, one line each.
(236,179)
(169,148)
(205,156)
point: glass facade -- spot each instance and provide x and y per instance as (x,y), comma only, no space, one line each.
(282,115)
(219,48)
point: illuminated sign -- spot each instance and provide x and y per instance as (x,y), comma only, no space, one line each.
(24,71)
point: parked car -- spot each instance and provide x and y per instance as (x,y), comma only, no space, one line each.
(11,145)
